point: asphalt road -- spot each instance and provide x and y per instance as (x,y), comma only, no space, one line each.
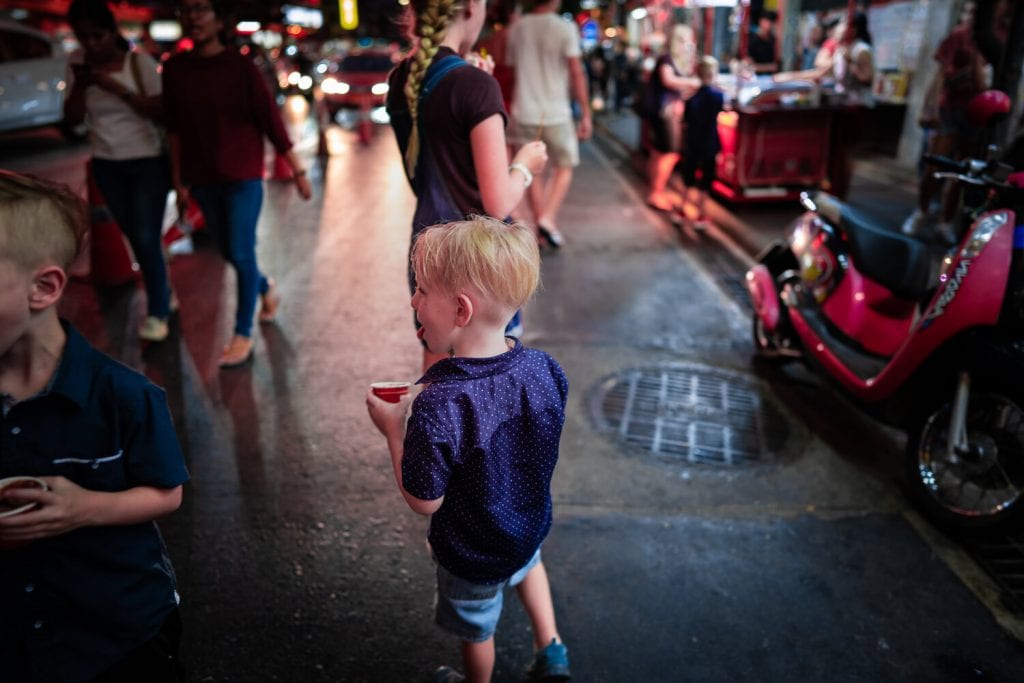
(794,557)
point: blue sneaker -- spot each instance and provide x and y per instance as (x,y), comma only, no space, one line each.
(446,674)
(551,663)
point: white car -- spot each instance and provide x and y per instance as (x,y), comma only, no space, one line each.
(32,72)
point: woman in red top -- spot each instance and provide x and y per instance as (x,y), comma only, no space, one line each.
(218,111)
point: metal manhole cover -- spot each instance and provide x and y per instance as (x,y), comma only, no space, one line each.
(690,413)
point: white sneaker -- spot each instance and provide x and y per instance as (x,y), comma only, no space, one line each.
(914,222)
(153,329)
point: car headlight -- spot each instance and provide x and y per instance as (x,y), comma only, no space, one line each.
(333,86)
(379,89)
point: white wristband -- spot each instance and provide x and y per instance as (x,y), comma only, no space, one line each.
(527,176)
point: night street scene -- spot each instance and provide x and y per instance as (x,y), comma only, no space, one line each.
(781,270)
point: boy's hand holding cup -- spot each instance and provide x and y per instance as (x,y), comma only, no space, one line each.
(10,507)
(388,403)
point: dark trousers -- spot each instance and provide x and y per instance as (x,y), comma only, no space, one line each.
(155,661)
(136,194)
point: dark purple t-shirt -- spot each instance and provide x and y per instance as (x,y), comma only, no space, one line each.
(484,434)
(461,100)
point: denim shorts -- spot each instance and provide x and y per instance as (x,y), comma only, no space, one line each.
(470,611)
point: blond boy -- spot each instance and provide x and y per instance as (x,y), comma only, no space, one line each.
(87,589)
(481,443)
(702,141)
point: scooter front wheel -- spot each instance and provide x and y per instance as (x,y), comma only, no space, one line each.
(977,485)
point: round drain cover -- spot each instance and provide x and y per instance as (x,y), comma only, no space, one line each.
(691,413)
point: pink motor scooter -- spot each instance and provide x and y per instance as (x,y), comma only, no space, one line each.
(936,348)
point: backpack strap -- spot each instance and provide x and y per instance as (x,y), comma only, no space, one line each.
(437,71)
(133,59)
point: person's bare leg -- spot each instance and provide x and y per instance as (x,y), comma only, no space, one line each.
(659,172)
(535,196)
(535,594)
(555,190)
(478,660)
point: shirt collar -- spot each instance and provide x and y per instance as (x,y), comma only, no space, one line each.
(74,374)
(458,368)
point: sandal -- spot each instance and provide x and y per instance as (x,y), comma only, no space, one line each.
(237,353)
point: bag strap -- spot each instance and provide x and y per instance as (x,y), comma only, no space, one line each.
(437,71)
(136,73)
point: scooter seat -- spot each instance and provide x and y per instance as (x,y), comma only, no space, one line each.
(901,264)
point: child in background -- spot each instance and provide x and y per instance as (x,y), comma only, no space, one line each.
(88,592)
(481,444)
(702,142)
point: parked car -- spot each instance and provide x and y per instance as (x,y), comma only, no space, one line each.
(32,78)
(359,80)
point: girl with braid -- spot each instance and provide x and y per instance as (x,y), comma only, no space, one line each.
(449,117)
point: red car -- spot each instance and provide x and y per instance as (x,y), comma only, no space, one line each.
(359,80)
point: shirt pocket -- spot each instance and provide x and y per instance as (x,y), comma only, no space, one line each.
(105,472)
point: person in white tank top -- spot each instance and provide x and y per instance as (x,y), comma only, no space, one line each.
(117,93)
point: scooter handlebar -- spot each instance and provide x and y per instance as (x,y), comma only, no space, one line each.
(947,164)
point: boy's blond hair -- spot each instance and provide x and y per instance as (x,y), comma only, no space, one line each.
(707,68)
(41,223)
(493,258)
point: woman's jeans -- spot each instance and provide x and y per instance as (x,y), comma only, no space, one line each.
(232,211)
(135,191)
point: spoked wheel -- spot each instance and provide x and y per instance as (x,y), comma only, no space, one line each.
(981,485)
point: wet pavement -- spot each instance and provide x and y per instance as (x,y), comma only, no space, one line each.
(298,559)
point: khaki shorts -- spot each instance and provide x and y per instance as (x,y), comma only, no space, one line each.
(563,146)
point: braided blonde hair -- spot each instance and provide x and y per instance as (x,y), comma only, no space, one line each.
(431,21)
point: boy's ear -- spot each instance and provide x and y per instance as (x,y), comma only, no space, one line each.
(48,285)
(463,310)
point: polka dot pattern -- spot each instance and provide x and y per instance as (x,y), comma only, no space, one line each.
(484,434)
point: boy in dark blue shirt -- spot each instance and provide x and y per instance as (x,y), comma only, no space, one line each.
(88,592)
(702,141)
(481,444)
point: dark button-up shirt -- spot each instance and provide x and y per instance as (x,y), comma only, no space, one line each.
(484,434)
(72,605)
(701,116)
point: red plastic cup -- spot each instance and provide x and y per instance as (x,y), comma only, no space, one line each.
(391,392)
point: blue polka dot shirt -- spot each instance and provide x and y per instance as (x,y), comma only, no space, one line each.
(484,434)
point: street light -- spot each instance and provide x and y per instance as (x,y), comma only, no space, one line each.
(349,13)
